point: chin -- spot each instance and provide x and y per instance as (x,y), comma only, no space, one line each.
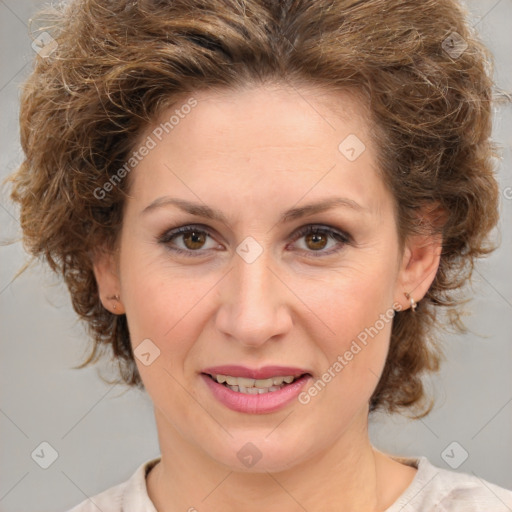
(256,454)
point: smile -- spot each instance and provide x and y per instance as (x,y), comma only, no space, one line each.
(254,386)
(250,395)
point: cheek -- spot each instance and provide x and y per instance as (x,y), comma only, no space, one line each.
(353,299)
(358,310)
(162,307)
(353,357)
(156,293)
(164,304)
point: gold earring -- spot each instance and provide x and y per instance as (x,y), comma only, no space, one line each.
(413,302)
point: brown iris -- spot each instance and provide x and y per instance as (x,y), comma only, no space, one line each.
(192,238)
(316,239)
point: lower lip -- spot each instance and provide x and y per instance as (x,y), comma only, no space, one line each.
(256,404)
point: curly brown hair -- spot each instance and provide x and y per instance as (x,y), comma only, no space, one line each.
(117,64)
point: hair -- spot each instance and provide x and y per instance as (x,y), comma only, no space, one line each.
(117,64)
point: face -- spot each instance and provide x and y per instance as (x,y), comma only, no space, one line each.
(267,281)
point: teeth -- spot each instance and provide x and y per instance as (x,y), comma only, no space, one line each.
(254,386)
(265,383)
(246,383)
(255,391)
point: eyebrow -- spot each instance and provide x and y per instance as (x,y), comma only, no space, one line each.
(202,210)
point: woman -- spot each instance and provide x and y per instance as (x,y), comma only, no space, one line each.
(260,206)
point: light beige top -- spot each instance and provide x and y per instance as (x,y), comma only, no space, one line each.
(432,490)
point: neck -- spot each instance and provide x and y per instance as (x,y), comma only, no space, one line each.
(349,475)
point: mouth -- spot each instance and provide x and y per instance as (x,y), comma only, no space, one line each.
(251,386)
(255,390)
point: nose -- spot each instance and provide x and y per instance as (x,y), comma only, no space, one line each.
(255,303)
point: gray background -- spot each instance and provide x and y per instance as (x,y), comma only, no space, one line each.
(103,433)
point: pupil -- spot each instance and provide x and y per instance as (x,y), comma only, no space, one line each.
(197,238)
(316,238)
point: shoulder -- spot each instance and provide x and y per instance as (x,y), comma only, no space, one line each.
(109,500)
(436,489)
(128,496)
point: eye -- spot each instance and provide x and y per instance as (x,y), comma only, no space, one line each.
(317,238)
(193,239)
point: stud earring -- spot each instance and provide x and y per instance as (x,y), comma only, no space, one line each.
(116,298)
(413,302)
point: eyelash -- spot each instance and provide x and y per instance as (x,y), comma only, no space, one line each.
(337,235)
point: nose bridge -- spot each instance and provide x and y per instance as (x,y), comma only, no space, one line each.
(253,282)
(253,309)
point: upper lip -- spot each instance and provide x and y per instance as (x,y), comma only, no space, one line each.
(255,373)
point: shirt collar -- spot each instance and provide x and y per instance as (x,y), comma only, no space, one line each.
(135,494)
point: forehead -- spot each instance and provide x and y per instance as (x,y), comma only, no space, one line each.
(269,111)
(279,139)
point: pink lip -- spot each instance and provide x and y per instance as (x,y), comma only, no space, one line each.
(250,373)
(255,404)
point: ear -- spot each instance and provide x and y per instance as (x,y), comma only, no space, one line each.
(105,267)
(420,259)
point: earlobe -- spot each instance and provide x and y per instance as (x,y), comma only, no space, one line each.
(116,299)
(105,269)
(419,267)
(409,297)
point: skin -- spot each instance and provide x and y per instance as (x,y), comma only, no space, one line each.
(252,154)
